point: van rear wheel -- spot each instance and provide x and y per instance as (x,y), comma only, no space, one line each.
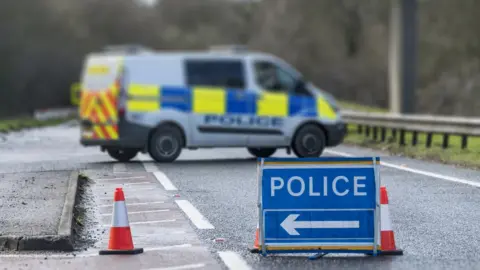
(309,142)
(262,152)
(122,155)
(166,144)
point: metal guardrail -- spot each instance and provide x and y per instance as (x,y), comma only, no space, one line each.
(375,123)
(55,113)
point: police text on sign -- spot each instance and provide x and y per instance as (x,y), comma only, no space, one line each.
(358,187)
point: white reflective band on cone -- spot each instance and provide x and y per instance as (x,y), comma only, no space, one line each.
(386,224)
(120,218)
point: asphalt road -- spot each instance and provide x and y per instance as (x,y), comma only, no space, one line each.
(433,207)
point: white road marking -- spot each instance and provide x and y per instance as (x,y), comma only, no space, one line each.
(142,212)
(137,183)
(150,167)
(119,178)
(119,167)
(124,185)
(180,267)
(153,221)
(195,216)
(158,234)
(145,222)
(163,179)
(87,254)
(125,190)
(426,173)
(122,173)
(132,204)
(233,260)
(168,247)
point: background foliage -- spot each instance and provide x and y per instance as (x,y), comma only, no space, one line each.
(341,45)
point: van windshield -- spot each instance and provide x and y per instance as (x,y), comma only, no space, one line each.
(100,72)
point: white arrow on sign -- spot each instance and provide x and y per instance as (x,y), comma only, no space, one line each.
(290,224)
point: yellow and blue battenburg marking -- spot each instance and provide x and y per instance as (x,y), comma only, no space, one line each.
(178,98)
(240,102)
(221,101)
(272,104)
(209,100)
(143,98)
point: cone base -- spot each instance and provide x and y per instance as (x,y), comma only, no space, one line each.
(121,252)
(391,252)
(396,252)
(254,250)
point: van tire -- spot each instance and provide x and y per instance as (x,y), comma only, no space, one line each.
(165,144)
(309,141)
(262,152)
(122,155)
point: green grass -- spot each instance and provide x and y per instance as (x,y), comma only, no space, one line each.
(346,105)
(454,154)
(27,122)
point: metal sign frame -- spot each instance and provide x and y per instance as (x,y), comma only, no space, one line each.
(377,213)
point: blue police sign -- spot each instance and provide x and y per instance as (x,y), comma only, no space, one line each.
(321,204)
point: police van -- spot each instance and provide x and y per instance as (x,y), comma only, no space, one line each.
(134,99)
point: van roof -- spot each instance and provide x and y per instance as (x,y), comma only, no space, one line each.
(142,52)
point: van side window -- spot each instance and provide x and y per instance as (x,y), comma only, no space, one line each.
(216,73)
(272,78)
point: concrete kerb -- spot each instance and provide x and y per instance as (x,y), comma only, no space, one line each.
(66,220)
(63,241)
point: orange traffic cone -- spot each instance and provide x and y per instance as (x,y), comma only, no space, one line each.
(388,246)
(256,245)
(120,235)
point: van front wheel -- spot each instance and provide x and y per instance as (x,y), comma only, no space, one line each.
(262,152)
(165,144)
(309,142)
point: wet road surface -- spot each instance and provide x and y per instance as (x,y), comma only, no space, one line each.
(211,195)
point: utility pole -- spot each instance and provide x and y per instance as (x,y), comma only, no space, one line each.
(403,55)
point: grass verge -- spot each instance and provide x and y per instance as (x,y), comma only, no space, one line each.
(27,122)
(346,105)
(469,157)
